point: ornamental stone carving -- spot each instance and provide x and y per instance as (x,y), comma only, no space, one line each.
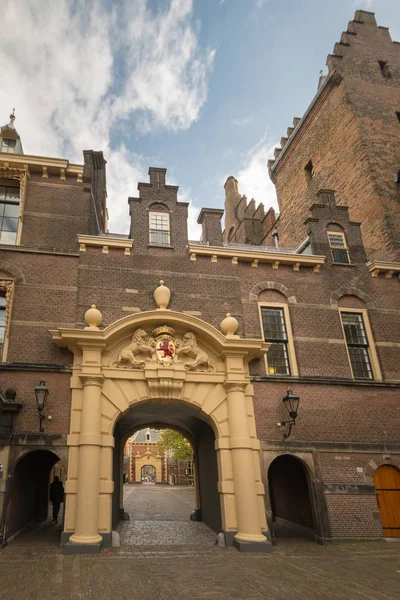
(188,348)
(140,350)
(162,347)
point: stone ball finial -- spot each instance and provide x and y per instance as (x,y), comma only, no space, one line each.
(93,317)
(162,296)
(229,325)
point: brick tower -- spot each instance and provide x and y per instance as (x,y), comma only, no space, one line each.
(348,141)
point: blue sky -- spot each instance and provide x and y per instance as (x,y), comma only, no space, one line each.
(205,88)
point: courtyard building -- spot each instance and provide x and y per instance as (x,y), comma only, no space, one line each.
(104,335)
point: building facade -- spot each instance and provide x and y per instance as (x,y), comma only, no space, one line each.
(315,302)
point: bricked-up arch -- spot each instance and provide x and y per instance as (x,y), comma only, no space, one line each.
(350,291)
(267,285)
(29,492)
(9,270)
(103,392)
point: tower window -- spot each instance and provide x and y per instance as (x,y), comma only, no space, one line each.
(159,229)
(398,116)
(309,170)
(339,249)
(8,145)
(357,345)
(9,214)
(385,69)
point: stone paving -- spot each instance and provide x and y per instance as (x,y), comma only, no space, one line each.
(33,568)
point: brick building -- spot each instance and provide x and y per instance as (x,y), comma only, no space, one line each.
(317,286)
(148,462)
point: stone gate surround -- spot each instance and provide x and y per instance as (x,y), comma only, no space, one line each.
(161,356)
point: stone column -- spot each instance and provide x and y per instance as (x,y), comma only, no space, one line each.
(249,536)
(87,501)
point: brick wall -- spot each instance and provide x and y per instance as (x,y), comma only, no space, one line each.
(350,135)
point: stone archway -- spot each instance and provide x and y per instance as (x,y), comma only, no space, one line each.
(123,365)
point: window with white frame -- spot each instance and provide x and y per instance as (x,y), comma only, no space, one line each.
(358,344)
(159,230)
(9,214)
(338,245)
(275,322)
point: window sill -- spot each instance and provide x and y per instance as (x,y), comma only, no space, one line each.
(167,246)
(338,264)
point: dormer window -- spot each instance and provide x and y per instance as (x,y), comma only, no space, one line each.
(159,229)
(7,145)
(339,249)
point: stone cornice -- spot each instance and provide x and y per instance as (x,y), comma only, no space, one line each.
(256,257)
(104,242)
(389,268)
(42,164)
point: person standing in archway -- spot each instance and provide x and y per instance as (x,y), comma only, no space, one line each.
(56,496)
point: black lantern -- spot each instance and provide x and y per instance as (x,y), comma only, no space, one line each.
(41,393)
(291,403)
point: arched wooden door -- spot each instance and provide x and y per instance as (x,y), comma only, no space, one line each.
(387,484)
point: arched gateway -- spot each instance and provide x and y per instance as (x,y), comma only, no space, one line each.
(160,358)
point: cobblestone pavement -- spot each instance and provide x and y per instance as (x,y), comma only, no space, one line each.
(33,568)
(159,516)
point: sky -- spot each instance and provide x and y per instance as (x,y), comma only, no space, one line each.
(204,88)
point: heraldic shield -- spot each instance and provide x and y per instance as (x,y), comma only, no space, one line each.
(165,344)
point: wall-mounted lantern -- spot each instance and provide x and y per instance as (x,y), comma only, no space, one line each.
(41,393)
(291,403)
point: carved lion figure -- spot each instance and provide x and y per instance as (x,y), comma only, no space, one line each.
(190,348)
(141,344)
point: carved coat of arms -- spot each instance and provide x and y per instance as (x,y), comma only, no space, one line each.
(165,344)
(163,347)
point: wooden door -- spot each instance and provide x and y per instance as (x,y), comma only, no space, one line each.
(387,484)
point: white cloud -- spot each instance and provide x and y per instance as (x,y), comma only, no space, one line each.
(253,177)
(75,70)
(243,121)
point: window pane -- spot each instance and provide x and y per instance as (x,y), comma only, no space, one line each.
(273,321)
(360,362)
(336,240)
(159,221)
(340,256)
(8,145)
(159,237)
(11,210)
(354,330)
(8,237)
(12,193)
(10,224)
(277,360)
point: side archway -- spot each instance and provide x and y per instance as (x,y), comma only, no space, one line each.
(29,491)
(290,494)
